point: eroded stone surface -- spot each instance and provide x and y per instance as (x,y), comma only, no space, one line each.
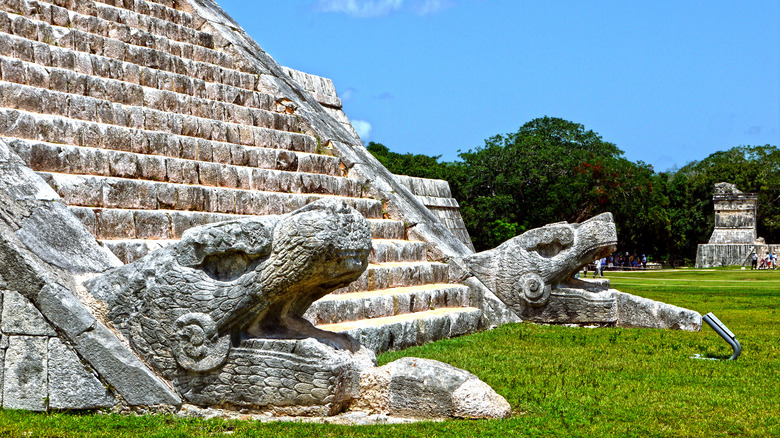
(25,384)
(640,312)
(424,388)
(70,385)
(22,318)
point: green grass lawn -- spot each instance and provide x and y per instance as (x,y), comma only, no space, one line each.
(564,381)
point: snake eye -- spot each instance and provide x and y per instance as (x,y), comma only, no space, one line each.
(551,249)
(228,266)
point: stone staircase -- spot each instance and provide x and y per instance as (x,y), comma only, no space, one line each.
(145,128)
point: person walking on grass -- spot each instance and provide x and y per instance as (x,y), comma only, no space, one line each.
(754,261)
(597,269)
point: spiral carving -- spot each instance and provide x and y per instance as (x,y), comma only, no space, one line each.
(532,289)
(197,344)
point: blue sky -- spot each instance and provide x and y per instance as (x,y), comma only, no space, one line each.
(667,81)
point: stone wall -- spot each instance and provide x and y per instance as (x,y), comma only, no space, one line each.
(40,371)
(725,254)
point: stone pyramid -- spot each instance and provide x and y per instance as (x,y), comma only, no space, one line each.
(150,117)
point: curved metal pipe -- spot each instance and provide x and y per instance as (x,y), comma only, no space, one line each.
(724,333)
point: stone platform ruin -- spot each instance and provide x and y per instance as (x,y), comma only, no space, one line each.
(152,144)
(734,239)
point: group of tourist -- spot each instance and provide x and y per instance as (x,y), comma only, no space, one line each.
(616,262)
(620,262)
(767,262)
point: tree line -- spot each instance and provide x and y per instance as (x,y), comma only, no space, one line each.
(554,170)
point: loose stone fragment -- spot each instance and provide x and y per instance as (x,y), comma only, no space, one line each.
(423,388)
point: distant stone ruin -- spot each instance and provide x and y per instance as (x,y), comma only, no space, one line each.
(734,238)
(183,220)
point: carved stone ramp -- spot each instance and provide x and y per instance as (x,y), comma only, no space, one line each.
(48,334)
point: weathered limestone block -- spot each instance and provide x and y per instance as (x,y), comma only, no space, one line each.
(71,386)
(337,308)
(25,384)
(43,223)
(133,380)
(398,251)
(222,309)
(417,329)
(387,229)
(636,311)
(20,317)
(533,275)
(494,311)
(424,388)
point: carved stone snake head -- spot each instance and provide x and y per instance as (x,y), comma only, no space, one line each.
(524,270)
(223,283)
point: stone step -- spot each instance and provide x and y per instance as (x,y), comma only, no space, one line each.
(64,130)
(403,331)
(397,250)
(32,30)
(122,193)
(180,80)
(37,100)
(27,129)
(104,22)
(133,95)
(144,225)
(49,157)
(398,274)
(166,10)
(162,27)
(124,24)
(339,308)
(388,229)
(223,154)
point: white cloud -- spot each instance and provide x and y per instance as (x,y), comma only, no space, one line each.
(363,129)
(348,94)
(428,7)
(381,8)
(360,8)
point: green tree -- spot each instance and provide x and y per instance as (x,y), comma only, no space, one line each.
(753,169)
(549,170)
(419,165)
(553,170)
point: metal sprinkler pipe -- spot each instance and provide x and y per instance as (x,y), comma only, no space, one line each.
(724,333)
